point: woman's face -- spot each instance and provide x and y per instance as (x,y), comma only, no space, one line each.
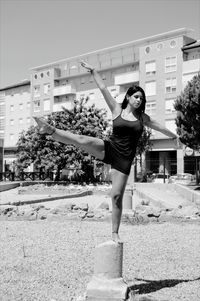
(135,100)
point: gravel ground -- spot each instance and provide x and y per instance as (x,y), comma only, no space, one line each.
(52,260)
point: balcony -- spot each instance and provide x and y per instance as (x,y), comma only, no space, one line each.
(127,78)
(191,66)
(64,90)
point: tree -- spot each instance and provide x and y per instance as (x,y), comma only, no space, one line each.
(47,154)
(188,114)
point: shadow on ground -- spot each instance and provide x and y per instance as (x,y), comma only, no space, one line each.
(151,286)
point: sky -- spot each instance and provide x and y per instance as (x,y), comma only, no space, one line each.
(37,32)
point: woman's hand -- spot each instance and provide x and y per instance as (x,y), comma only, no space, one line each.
(87,66)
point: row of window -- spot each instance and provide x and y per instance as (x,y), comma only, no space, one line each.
(42,74)
(170,65)
(160,46)
(170,86)
(21,106)
(37,92)
(151,107)
(36,105)
(21,121)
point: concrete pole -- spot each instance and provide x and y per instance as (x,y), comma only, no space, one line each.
(107,283)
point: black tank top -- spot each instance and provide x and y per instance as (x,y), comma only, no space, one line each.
(125,136)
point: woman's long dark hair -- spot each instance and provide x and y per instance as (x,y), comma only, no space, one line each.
(132,90)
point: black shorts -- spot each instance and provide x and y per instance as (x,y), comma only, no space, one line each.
(116,160)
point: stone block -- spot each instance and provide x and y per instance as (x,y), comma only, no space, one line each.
(107,282)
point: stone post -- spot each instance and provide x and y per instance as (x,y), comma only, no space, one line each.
(127,199)
(107,283)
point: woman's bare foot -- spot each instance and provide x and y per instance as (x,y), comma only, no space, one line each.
(44,127)
(116,238)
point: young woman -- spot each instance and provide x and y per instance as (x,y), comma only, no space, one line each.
(119,150)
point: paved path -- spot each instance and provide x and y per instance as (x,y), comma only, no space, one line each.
(163,196)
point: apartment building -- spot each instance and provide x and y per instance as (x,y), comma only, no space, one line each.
(15,116)
(161,64)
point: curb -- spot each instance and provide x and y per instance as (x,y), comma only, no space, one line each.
(76,195)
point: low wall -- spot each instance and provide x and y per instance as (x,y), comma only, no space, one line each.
(8,186)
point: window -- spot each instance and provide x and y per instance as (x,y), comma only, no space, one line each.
(150,68)
(36,91)
(150,88)
(36,106)
(170,64)
(21,106)
(170,85)
(103,77)
(11,108)
(91,96)
(169,106)
(159,46)
(28,120)
(151,107)
(113,92)
(47,105)
(11,137)
(11,121)
(2,122)
(170,124)
(82,80)
(20,121)
(147,49)
(173,44)
(47,89)
(28,105)
(35,76)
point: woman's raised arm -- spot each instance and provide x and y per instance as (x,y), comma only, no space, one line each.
(111,102)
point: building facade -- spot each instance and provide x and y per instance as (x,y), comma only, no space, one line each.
(161,64)
(15,116)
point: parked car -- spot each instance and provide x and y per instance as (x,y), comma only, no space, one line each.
(183,178)
(159,178)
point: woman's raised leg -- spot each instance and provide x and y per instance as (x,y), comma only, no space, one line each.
(92,145)
(119,181)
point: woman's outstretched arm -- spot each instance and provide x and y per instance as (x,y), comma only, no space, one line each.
(111,102)
(157,126)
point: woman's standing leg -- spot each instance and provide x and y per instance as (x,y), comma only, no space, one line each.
(119,181)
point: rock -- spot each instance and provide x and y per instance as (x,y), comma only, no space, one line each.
(68,207)
(99,215)
(83,214)
(30,215)
(7,208)
(145,202)
(83,207)
(152,212)
(42,216)
(90,214)
(104,206)
(38,207)
(55,211)
(165,217)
